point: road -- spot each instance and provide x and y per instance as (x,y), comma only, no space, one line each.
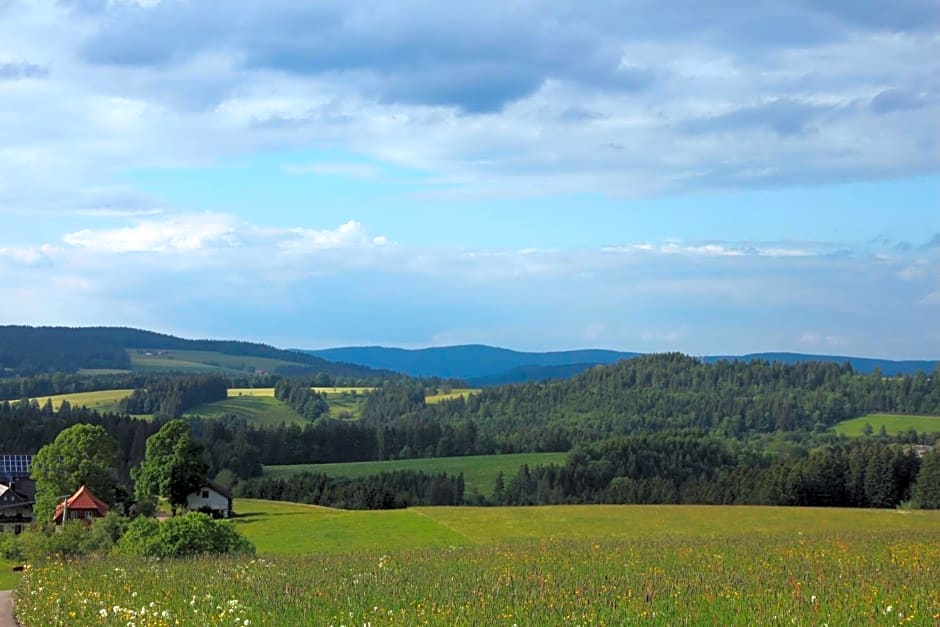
(6,610)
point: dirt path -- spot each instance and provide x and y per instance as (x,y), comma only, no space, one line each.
(6,610)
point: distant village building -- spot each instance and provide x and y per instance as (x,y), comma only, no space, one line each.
(211,498)
(921,449)
(83,505)
(17,493)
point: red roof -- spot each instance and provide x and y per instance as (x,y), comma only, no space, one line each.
(84,500)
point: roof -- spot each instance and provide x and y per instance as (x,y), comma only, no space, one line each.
(221,489)
(9,497)
(83,499)
(15,466)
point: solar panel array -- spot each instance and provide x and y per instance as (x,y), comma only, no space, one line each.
(15,466)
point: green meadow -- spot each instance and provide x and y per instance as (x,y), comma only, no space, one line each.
(440,397)
(345,403)
(102,400)
(8,579)
(282,528)
(258,410)
(566,565)
(479,471)
(160,360)
(893,423)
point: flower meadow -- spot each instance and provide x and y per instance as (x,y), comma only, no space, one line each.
(811,578)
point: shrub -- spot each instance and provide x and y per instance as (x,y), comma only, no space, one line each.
(192,534)
(69,540)
(10,548)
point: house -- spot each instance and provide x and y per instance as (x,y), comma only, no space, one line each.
(17,493)
(211,498)
(83,505)
(16,510)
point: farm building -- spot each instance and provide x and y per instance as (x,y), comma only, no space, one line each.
(17,493)
(83,505)
(211,498)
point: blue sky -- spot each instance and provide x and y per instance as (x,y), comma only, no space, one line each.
(706,177)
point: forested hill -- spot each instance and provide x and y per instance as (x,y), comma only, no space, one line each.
(485,366)
(26,350)
(668,392)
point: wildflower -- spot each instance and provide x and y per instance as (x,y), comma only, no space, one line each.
(103,613)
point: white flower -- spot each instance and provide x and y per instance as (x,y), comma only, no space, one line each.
(103,613)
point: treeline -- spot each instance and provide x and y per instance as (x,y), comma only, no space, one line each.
(170,397)
(26,427)
(690,468)
(17,388)
(299,397)
(30,350)
(665,392)
(387,490)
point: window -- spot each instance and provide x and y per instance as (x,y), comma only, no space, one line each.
(87,515)
(205,494)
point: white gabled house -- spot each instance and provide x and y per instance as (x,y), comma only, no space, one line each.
(211,498)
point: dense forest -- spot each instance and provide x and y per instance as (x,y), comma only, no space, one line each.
(170,397)
(663,392)
(387,490)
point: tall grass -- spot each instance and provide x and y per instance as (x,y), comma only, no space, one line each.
(883,577)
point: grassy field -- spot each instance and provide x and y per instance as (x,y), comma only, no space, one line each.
(259,410)
(432,399)
(893,423)
(584,565)
(8,579)
(345,403)
(104,400)
(200,361)
(289,528)
(479,471)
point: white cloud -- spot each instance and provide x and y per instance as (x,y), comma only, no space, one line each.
(350,234)
(175,234)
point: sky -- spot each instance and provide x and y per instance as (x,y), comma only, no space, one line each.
(711,177)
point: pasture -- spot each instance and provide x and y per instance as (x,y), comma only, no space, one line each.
(893,423)
(257,410)
(580,565)
(102,400)
(160,360)
(440,397)
(345,403)
(479,471)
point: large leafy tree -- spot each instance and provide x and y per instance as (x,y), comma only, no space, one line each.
(174,465)
(80,455)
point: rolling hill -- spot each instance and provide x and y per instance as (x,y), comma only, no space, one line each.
(469,362)
(26,350)
(486,366)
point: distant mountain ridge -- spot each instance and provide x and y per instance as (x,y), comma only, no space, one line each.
(27,350)
(470,361)
(484,366)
